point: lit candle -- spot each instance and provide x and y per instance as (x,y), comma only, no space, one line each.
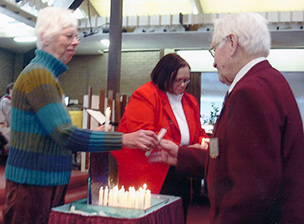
(107,114)
(100,201)
(125,199)
(110,198)
(121,194)
(137,199)
(132,197)
(105,198)
(141,198)
(115,196)
(147,199)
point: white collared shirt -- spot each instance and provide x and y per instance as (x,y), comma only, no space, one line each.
(178,110)
(243,72)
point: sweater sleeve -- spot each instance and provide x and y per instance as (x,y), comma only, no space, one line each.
(191,162)
(44,94)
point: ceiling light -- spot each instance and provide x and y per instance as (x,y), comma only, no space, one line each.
(105,42)
(25,39)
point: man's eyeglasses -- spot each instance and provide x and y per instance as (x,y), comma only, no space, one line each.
(212,49)
(184,81)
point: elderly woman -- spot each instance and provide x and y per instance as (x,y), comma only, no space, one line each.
(161,103)
(43,138)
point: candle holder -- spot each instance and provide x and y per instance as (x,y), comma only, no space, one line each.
(157,201)
(103,172)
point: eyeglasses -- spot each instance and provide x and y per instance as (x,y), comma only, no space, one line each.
(212,49)
(71,36)
(184,81)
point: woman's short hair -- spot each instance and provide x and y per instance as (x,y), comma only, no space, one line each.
(250,28)
(164,73)
(51,21)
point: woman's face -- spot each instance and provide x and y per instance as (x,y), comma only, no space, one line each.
(63,46)
(181,80)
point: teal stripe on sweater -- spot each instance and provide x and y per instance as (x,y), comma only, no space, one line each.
(35,177)
(55,66)
(53,115)
(95,141)
(27,122)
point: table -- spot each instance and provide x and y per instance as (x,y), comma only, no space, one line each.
(169,211)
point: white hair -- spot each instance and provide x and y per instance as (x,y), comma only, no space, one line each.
(250,28)
(51,21)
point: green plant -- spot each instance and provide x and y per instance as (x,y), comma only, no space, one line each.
(214,113)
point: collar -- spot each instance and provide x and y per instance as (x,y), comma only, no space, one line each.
(56,66)
(244,71)
(174,98)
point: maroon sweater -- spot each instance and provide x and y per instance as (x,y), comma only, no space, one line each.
(258,176)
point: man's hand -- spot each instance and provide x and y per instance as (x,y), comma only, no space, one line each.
(202,146)
(167,155)
(141,139)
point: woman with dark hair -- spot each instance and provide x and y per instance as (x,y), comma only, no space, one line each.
(161,103)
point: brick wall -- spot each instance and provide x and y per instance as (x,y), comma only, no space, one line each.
(10,66)
(86,71)
(89,70)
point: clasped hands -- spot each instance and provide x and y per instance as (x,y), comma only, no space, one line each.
(167,151)
(142,139)
(164,151)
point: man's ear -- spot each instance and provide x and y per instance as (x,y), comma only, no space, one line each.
(233,43)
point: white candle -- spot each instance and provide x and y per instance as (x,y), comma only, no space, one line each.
(141,198)
(147,199)
(107,114)
(132,197)
(100,201)
(160,136)
(137,199)
(105,198)
(125,199)
(115,196)
(121,194)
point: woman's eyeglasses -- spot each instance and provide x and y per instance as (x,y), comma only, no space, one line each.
(184,81)
(71,36)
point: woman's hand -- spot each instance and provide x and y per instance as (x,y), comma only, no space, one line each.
(141,139)
(103,127)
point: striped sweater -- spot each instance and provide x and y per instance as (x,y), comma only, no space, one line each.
(42,135)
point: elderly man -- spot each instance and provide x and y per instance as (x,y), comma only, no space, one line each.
(254,164)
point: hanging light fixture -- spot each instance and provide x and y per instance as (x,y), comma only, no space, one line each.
(105,42)
(25,39)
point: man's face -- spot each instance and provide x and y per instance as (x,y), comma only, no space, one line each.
(222,62)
